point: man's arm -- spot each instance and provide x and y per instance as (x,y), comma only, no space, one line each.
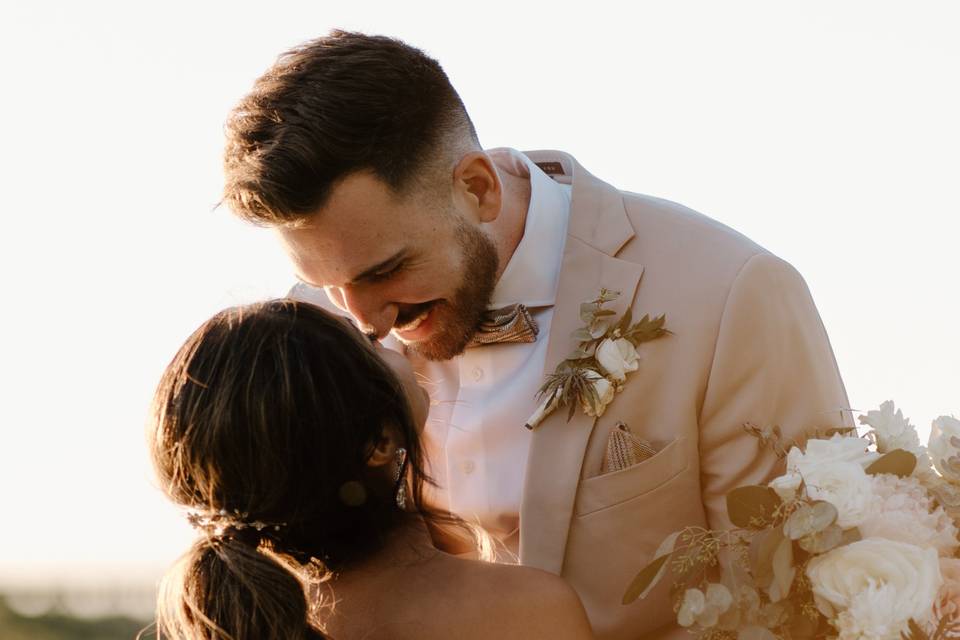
(773,365)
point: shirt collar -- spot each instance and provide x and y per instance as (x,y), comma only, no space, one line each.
(533,271)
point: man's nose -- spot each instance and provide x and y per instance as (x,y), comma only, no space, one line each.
(372,313)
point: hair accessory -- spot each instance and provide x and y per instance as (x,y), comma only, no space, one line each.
(216,523)
(402,490)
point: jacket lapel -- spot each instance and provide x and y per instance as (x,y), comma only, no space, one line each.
(598,228)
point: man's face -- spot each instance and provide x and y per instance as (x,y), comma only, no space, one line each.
(412,265)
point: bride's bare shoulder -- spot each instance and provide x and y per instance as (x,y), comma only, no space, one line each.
(448,597)
(508,601)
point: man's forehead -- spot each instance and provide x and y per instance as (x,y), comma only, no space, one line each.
(362,190)
(362,226)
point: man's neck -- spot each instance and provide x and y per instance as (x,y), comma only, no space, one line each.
(507,230)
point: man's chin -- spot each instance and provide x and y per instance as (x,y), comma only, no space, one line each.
(436,350)
(442,345)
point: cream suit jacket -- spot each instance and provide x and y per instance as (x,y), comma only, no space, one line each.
(747,346)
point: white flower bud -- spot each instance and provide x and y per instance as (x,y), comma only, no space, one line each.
(617,357)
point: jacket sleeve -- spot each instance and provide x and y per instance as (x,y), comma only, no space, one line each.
(772,365)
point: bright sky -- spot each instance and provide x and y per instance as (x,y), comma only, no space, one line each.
(826,131)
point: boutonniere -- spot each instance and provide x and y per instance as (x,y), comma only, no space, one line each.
(595,372)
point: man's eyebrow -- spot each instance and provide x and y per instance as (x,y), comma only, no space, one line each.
(380,266)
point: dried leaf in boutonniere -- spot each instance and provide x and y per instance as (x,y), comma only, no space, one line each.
(596,370)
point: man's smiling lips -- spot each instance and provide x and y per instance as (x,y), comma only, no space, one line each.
(418,328)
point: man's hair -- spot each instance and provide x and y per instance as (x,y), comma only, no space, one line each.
(336,105)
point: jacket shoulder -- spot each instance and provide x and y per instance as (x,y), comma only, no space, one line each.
(692,260)
(671,229)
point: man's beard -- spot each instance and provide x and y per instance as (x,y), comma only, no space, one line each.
(458,319)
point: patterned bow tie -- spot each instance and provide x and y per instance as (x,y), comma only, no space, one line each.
(507,324)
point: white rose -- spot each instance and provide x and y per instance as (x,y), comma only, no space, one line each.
(839,448)
(617,357)
(945,454)
(833,470)
(846,486)
(870,589)
(605,392)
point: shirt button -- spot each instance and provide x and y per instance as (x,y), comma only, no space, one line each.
(477,374)
(468,466)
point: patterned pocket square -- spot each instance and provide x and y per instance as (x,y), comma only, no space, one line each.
(625,450)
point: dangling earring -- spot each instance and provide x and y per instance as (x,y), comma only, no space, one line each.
(399,479)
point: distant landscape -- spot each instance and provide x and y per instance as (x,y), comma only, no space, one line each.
(59,623)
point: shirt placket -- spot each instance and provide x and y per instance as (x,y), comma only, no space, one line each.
(466,452)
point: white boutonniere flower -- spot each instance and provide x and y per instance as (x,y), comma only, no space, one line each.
(618,357)
(595,372)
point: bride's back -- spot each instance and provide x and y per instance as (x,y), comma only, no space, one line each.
(441,597)
(295,445)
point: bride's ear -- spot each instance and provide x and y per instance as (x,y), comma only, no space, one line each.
(384,450)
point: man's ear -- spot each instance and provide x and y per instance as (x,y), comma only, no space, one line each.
(384,450)
(476,179)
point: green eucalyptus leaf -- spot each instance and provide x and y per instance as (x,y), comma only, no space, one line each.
(599,330)
(822,541)
(582,335)
(897,462)
(752,506)
(587,311)
(783,571)
(648,578)
(762,547)
(645,579)
(810,519)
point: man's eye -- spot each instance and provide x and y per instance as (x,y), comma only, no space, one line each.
(383,275)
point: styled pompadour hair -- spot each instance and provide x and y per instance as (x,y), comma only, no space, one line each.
(336,105)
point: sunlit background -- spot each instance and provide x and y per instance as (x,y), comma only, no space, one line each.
(826,131)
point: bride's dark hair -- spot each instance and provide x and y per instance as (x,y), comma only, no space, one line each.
(271,410)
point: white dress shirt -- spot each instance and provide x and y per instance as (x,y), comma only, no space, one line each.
(475,440)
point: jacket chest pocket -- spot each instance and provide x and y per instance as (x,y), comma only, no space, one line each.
(610,489)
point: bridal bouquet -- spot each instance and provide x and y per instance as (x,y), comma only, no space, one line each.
(858,539)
